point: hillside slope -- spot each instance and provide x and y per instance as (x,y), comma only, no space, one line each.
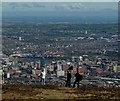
(51,92)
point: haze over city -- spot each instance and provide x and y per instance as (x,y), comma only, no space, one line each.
(84,12)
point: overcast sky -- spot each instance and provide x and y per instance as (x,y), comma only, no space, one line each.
(81,6)
(59,0)
(79,10)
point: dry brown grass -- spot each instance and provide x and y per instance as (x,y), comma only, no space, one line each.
(32,92)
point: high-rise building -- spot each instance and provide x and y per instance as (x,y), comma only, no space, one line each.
(43,62)
(20,38)
(86,32)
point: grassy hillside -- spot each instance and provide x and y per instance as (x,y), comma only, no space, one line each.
(28,92)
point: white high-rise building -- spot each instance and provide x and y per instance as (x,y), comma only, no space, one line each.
(86,32)
(81,58)
(20,38)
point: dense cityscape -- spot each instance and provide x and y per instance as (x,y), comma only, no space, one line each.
(60,51)
(59,47)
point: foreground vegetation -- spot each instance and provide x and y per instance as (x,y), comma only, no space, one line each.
(34,92)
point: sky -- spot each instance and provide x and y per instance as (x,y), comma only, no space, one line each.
(79,10)
(59,0)
(80,6)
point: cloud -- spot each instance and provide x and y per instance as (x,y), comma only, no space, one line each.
(35,5)
(71,6)
(13,5)
(38,5)
(25,5)
(75,6)
(60,0)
